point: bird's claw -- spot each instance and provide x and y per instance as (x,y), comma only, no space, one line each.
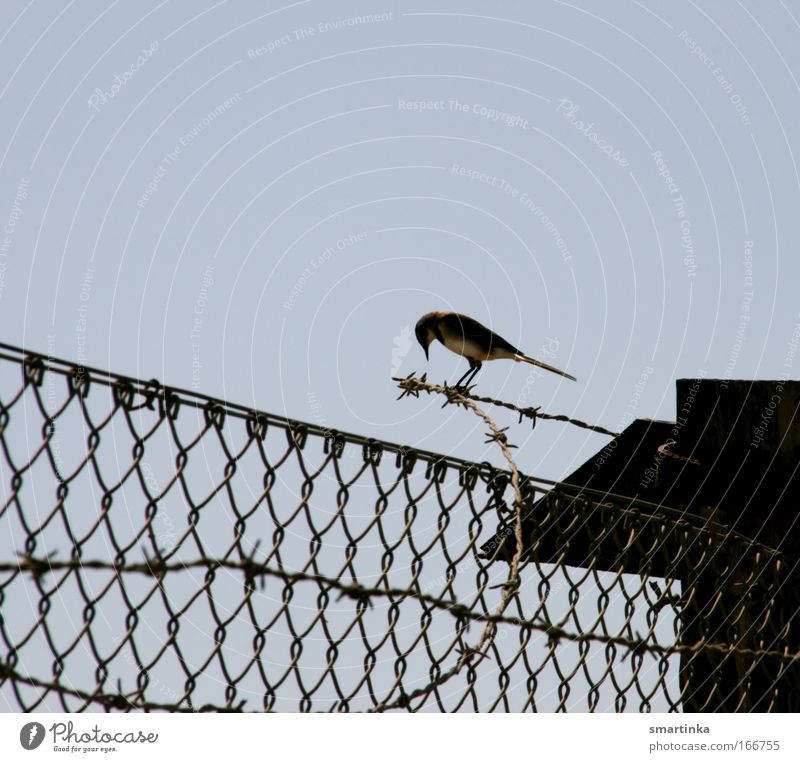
(459,388)
(455,395)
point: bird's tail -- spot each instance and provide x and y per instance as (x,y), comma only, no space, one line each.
(540,364)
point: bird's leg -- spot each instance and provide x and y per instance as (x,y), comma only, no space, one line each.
(457,384)
(475,370)
(464,381)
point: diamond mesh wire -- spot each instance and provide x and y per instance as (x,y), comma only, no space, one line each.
(160,549)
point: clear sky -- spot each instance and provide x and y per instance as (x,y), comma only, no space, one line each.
(256,199)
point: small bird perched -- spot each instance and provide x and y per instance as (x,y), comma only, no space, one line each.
(468,338)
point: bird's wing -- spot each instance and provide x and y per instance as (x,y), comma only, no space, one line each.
(474,331)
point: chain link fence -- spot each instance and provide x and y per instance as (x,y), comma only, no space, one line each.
(162,550)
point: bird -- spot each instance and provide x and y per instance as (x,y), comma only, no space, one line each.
(467,337)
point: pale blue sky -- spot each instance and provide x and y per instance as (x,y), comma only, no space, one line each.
(303,141)
(259,200)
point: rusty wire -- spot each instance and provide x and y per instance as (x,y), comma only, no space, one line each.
(411,384)
(166,551)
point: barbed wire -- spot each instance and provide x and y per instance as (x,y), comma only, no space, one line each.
(108,701)
(633,601)
(411,383)
(252,570)
(509,589)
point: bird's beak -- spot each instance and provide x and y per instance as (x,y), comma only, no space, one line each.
(426,353)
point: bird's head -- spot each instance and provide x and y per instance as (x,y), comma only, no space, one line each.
(424,330)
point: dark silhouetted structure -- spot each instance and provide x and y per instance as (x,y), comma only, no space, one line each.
(728,466)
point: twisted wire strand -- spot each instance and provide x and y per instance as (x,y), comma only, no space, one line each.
(509,589)
(252,570)
(413,384)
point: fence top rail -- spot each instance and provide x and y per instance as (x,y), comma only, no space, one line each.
(198,400)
